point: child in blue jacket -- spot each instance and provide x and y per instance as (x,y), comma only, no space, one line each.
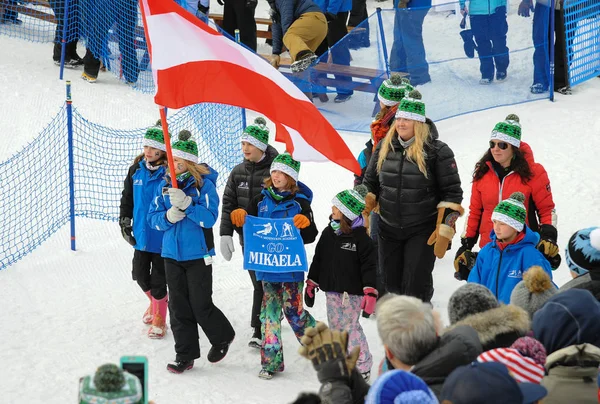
(186,215)
(489,27)
(501,263)
(282,197)
(140,185)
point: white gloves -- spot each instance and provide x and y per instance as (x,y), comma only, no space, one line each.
(179,199)
(227,248)
(174,215)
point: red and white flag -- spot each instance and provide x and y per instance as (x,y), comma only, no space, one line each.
(193,63)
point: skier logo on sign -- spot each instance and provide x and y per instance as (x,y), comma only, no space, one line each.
(287,230)
(267,229)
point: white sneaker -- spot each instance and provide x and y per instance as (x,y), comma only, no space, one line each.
(485,81)
(265,374)
(255,343)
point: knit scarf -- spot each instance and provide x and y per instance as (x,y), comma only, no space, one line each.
(277,195)
(381,125)
(151,167)
(407,143)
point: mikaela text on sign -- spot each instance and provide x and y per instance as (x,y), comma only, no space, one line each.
(273,245)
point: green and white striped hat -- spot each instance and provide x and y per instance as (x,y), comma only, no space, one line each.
(286,164)
(257,134)
(393,90)
(155,138)
(185,147)
(350,202)
(508,131)
(411,107)
(512,211)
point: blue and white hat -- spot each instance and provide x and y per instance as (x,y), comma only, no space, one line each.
(583,252)
(400,387)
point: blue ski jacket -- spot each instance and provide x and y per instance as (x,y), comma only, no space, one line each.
(501,270)
(483,7)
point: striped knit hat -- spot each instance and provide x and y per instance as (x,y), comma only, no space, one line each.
(155,138)
(523,369)
(351,202)
(185,147)
(257,134)
(512,211)
(411,107)
(286,164)
(393,90)
(508,131)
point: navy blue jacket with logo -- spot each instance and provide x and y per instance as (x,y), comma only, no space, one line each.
(345,262)
(138,192)
(263,205)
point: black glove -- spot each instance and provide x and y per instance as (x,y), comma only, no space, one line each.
(554,261)
(547,244)
(464,260)
(126,229)
(524,7)
(251,3)
(204,9)
(330,16)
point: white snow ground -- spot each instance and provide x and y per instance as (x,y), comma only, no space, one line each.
(64,313)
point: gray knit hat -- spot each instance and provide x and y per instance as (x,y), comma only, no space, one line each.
(470,299)
(532,292)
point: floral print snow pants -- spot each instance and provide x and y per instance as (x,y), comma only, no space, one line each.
(277,296)
(344,315)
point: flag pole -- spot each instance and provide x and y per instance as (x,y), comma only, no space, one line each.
(165,128)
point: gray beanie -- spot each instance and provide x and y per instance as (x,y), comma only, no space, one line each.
(470,299)
(532,292)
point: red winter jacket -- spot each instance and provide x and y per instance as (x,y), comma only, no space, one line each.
(488,191)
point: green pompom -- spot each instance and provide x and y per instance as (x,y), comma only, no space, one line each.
(396,79)
(517,196)
(512,117)
(405,81)
(109,378)
(184,135)
(414,94)
(361,190)
(158,123)
(260,121)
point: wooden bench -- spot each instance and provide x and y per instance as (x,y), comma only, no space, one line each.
(31,12)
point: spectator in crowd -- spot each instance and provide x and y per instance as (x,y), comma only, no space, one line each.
(101,16)
(489,383)
(506,167)
(413,175)
(568,327)
(358,14)
(72,59)
(541,36)
(522,368)
(489,27)
(498,326)
(10,16)
(408,52)
(583,258)
(301,27)
(531,348)
(336,12)
(239,14)
(533,291)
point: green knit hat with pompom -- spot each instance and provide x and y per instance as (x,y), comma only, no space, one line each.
(154,137)
(512,211)
(508,131)
(257,134)
(286,164)
(109,378)
(351,202)
(393,90)
(411,107)
(185,147)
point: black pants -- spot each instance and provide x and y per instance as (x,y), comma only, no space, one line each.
(561,67)
(149,272)
(237,16)
(190,305)
(407,260)
(257,295)
(340,54)
(358,14)
(58,7)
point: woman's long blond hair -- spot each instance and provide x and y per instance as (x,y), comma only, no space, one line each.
(415,152)
(196,171)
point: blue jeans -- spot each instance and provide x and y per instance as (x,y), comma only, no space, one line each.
(408,52)
(541,66)
(490,35)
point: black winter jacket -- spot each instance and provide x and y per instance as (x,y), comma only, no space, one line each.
(344,263)
(406,198)
(244,183)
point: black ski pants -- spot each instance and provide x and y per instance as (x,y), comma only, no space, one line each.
(149,272)
(239,14)
(58,7)
(407,260)
(257,296)
(190,305)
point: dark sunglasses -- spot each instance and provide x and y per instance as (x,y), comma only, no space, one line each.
(501,145)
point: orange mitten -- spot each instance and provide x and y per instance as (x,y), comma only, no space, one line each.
(238,217)
(301,221)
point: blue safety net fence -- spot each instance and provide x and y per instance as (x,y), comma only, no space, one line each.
(102,157)
(433,51)
(582,32)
